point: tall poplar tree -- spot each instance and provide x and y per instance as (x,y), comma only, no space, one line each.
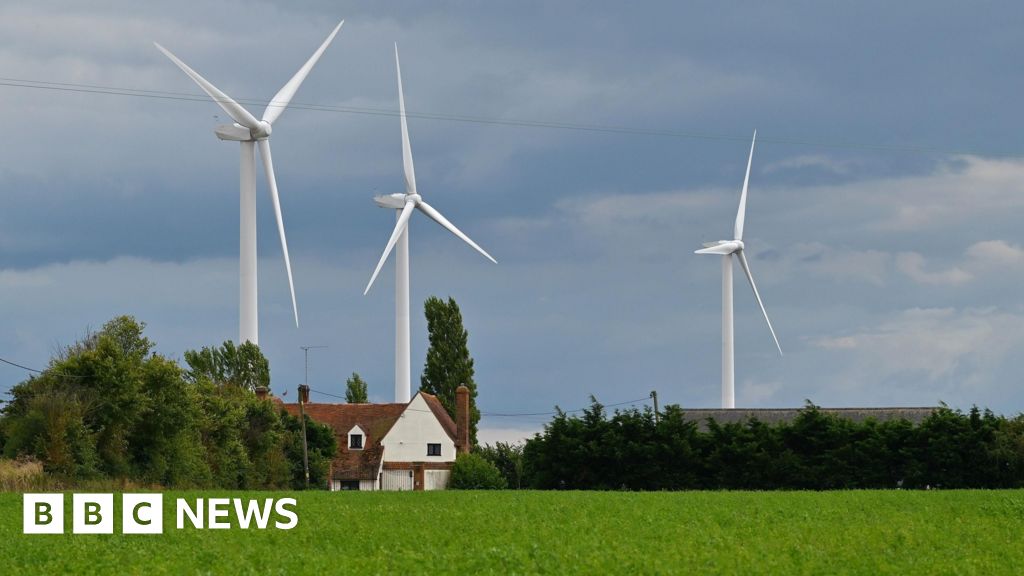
(355,390)
(448,361)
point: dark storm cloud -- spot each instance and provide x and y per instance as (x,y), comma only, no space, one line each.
(870,260)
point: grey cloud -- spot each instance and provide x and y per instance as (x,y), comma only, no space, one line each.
(110,202)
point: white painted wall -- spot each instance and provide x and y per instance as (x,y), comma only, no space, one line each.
(436,479)
(416,427)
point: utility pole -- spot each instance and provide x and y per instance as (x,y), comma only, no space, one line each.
(654,396)
(303,400)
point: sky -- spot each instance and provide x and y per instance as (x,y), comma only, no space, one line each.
(882,226)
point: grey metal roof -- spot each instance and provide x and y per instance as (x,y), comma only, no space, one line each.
(915,415)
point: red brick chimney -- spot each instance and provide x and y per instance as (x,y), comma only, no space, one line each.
(261,392)
(462,445)
(303,394)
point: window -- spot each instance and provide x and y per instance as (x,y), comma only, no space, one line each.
(355,438)
(433,449)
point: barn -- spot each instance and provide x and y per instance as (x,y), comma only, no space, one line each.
(393,446)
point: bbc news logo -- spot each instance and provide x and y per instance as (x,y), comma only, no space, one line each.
(144,513)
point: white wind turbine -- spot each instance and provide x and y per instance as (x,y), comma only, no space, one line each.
(405,204)
(250,132)
(726,249)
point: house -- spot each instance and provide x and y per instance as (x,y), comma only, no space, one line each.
(393,446)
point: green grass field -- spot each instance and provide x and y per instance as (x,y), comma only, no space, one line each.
(965,532)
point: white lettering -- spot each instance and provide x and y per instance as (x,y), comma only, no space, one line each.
(184,510)
(218,508)
(253,510)
(282,510)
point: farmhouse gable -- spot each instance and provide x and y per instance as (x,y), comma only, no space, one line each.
(390,446)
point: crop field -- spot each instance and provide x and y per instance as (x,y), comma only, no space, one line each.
(965,532)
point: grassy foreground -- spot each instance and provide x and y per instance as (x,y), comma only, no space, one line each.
(964,532)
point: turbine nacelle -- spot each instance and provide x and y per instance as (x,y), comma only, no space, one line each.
(233,132)
(722,247)
(394,201)
(238,133)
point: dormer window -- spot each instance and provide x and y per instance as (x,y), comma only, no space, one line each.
(355,438)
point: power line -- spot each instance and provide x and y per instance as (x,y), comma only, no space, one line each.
(497,414)
(494,414)
(23,367)
(327,394)
(16,365)
(191,97)
(566,411)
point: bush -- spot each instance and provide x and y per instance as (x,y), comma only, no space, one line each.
(473,472)
(21,475)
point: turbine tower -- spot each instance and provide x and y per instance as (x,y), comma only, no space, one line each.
(404,204)
(726,249)
(250,133)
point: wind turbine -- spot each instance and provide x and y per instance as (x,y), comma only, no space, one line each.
(726,249)
(250,133)
(405,204)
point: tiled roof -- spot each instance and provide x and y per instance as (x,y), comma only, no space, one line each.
(374,419)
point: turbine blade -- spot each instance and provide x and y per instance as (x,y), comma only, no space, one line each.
(280,100)
(403,221)
(268,166)
(437,217)
(741,214)
(750,278)
(410,171)
(233,109)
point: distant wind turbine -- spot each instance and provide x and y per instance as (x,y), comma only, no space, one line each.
(405,204)
(726,249)
(250,132)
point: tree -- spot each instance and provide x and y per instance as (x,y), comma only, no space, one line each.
(243,366)
(507,457)
(448,361)
(355,390)
(322,446)
(79,414)
(109,408)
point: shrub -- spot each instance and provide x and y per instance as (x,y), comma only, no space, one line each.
(473,472)
(21,475)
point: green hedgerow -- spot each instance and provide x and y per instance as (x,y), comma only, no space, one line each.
(473,472)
